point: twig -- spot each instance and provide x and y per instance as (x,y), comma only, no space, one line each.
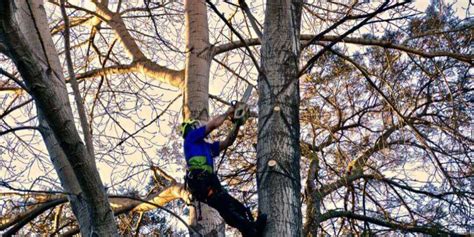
(146,125)
(7,185)
(18,129)
(13,78)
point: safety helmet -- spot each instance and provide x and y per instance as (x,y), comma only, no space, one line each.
(188,125)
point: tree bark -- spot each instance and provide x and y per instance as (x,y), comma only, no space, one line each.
(278,122)
(24,31)
(198,60)
(196,97)
(65,173)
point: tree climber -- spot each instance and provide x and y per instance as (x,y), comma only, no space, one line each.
(201,179)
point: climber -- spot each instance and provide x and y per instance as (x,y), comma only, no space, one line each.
(201,179)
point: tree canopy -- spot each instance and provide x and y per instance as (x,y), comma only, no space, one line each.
(385,112)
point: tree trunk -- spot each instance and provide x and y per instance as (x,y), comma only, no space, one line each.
(196,97)
(24,31)
(278,150)
(65,173)
(198,60)
(58,158)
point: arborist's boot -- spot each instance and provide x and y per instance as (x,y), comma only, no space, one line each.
(247,227)
(257,227)
(260,224)
(250,232)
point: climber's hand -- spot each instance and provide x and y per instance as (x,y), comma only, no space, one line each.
(241,113)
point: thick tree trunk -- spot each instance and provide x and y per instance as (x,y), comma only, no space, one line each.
(196,97)
(24,31)
(198,60)
(66,174)
(278,150)
(58,158)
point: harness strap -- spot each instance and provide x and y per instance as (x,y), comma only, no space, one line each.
(199,163)
(200,212)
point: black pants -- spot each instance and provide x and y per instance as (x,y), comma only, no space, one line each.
(205,187)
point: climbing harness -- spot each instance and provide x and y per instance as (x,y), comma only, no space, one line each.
(199,182)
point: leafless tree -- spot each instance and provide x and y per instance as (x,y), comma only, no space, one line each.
(365,108)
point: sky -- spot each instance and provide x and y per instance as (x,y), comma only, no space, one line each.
(461,8)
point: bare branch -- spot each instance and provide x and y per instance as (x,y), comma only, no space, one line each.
(431,230)
(22,219)
(18,129)
(76,21)
(354,40)
(221,16)
(123,204)
(255,24)
(72,78)
(173,77)
(140,62)
(417,132)
(13,78)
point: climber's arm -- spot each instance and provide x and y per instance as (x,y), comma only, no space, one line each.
(229,140)
(217,121)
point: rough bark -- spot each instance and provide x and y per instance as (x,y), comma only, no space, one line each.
(58,158)
(278,123)
(24,31)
